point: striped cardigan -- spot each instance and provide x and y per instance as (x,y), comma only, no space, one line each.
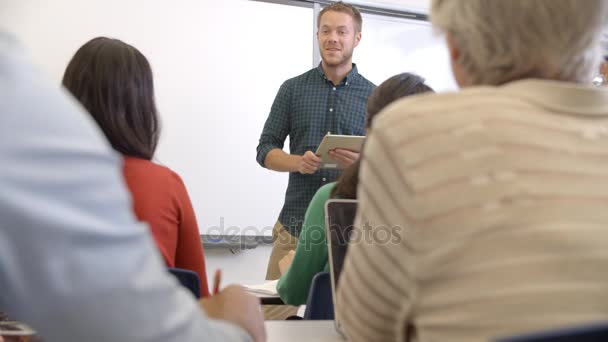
(488,216)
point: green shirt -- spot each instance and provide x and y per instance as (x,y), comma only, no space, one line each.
(311,252)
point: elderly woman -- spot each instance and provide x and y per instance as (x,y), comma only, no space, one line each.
(483,213)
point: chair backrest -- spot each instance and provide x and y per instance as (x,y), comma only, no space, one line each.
(188,279)
(319,305)
(588,333)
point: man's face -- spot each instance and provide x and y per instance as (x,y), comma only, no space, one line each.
(337,38)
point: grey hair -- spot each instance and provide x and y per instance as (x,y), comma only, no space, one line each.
(505,40)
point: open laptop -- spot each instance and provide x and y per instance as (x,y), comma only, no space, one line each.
(339,221)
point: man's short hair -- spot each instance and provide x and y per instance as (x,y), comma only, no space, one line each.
(343,8)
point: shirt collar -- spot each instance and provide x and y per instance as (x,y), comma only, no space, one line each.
(352,74)
(562,96)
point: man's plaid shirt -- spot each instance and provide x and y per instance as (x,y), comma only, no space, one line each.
(305,109)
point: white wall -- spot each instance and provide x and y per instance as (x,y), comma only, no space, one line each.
(245,267)
(393,45)
(420,6)
(218,65)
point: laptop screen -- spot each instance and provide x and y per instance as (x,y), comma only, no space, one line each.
(340,218)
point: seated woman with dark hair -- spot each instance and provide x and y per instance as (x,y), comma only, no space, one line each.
(310,257)
(114,82)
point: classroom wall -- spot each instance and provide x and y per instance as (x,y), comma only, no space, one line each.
(217,67)
(243,267)
(212,61)
(419,6)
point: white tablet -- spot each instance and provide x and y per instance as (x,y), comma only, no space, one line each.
(333,141)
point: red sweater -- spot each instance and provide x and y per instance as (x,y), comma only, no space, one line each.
(161,200)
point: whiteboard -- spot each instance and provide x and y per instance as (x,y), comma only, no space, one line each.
(218,66)
(393,45)
(418,6)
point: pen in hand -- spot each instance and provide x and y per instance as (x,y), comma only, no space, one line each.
(216,281)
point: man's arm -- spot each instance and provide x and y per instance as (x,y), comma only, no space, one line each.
(75,263)
(270,152)
(345,158)
(189,251)
(276,129)
(278,160)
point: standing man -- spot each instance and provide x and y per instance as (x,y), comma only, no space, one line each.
(329,98)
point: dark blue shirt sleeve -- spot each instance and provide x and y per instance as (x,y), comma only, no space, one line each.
(277,125)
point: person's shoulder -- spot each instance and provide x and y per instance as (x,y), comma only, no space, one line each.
(316,206)
(436,106)
(302,78)
(365,82)
(323,193)
(29,99)
(326,188)
(152,169)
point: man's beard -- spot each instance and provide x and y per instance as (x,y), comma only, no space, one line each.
(344,60)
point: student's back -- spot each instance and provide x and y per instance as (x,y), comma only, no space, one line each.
(492,198)
(160,198)
(114,82)
(74,263)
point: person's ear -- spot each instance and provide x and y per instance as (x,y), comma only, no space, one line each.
(357,38)
(461,76)
(454,51)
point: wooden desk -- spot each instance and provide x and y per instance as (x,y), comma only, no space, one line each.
(302,331)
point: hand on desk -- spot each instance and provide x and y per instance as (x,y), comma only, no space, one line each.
(235,305)
(309,163)
(344,157)
(286,261)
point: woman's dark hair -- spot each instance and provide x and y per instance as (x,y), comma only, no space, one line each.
(394,88)
(113,81)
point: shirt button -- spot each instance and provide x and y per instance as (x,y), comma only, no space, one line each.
(331,109)
(334,88)
(346,83)
(324,179)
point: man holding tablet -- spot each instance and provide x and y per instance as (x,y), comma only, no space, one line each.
(329,98)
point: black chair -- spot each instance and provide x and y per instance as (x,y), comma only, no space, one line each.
(588,333)
(187,279)
(320,305)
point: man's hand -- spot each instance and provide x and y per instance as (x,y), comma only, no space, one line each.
(235,305)
(286,261)
(344,157)
(309,163)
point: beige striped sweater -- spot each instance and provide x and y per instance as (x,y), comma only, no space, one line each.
(488,213)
